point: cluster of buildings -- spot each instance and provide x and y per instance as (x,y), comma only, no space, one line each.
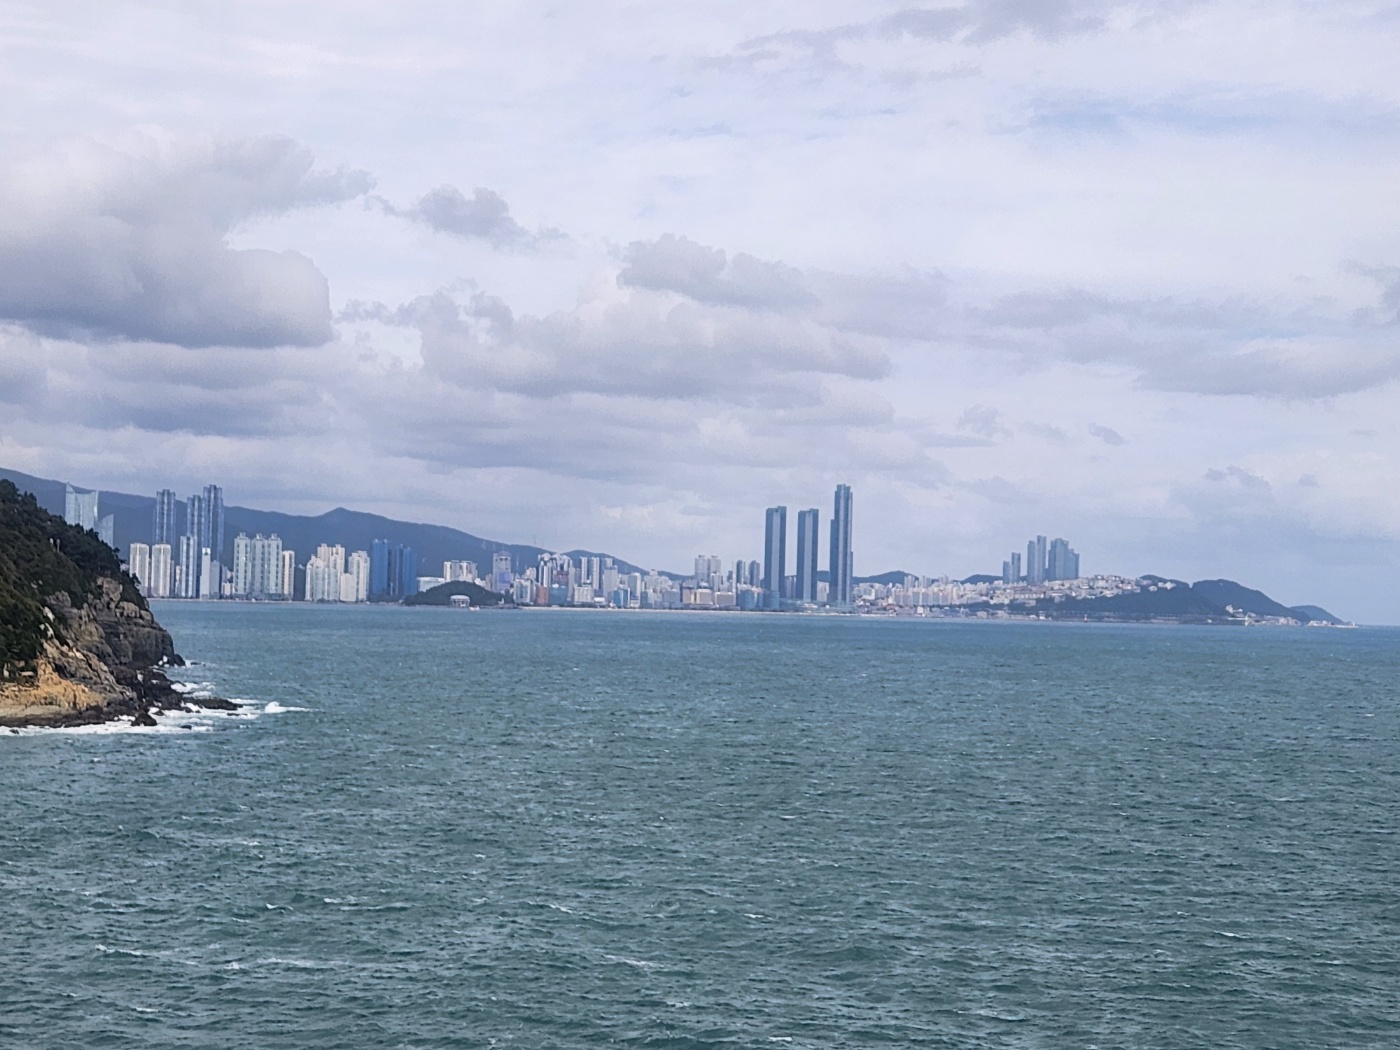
(559,579)
(184,559)
(189,558)
(1044,563)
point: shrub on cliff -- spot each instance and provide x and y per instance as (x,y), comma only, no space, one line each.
(40,555)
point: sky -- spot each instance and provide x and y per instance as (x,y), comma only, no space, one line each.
(620,276)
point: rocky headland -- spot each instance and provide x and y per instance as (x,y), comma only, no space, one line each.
(78,643)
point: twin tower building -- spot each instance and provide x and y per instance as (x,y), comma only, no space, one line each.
(801,589)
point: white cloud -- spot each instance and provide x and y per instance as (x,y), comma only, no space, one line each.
(1145,241)
(131,243)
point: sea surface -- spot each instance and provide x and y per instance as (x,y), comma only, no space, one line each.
(430,828)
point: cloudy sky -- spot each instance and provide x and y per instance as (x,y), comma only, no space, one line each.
(621,275)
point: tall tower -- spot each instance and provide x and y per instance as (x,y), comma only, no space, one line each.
(807,555)
(191,543)
(163,529)
(774,554)
(79,508)
(212,532)
(841,589)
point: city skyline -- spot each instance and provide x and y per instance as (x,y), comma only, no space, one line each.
(1148,305)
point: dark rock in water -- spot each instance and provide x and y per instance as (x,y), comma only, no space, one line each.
(143,718)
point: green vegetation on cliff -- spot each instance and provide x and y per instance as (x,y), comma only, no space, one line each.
(42,555)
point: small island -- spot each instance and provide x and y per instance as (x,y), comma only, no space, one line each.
(78,643)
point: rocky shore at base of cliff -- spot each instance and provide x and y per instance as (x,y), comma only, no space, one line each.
(104,660)
(78,643)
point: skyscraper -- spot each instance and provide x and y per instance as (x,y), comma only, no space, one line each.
(774,554)
(1064,561)
(1015,567)
(158,586)
(107,530)
(806,587)
(393,570)
(842,563)
(501,572)
(257,566)
(212,537)
(190,545)
(1037,561)
(164,528)
(139,565)
(79,508)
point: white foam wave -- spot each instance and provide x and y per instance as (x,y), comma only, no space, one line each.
(187,720)
(274,708)
(640,964)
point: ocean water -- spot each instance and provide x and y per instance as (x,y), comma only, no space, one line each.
(430,828)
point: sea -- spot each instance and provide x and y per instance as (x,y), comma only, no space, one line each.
(430,828)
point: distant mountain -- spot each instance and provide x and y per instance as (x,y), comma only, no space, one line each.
(134,516)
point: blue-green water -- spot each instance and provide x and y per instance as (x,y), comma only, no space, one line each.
(580,830)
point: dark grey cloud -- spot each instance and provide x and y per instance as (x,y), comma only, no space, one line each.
(23,372)
(484,215)
(160,388)
(1107,435)
(105,244)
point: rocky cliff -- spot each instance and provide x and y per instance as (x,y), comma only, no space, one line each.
(78,643)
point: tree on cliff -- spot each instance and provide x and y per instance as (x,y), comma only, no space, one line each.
(42,555)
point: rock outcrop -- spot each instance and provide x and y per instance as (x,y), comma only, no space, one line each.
(78,643)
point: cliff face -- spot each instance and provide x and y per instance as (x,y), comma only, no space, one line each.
(78,643)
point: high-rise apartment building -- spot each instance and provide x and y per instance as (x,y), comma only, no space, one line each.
(158,586)
(357,570)
(842,564)
(289,574)
(393,570)
(107,530)
(257,566)
(196,526)
(459,570)
(1015,567)
(164,528)
(187,569)
(1063,562)
(707,566)
(139,565)
(79,508)
(211,535)
(805,586)
(774,554)
(501,572)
